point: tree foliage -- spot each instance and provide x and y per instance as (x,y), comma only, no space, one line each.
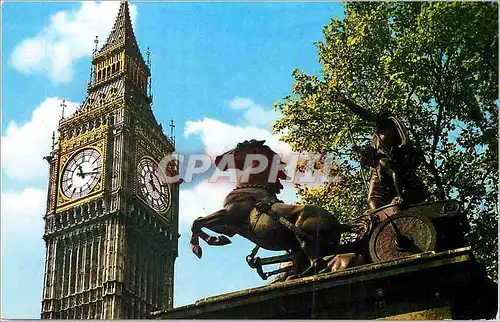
(434,65)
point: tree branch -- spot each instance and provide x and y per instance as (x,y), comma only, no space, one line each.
(431,168)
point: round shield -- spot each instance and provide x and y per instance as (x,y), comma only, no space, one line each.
(400,236)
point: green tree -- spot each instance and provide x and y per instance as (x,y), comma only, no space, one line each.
(434,65)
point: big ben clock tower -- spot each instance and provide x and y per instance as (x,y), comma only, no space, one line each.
(111,223)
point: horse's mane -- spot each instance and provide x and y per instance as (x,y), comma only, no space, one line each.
(253,144)
(258,146)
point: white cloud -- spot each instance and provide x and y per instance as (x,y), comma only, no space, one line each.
(255,114)
(24,146)
(241,103)
(22,251)
(219,137)
(68,37)
(22,211)
(201,200)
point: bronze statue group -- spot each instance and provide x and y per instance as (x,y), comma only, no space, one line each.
(311,235)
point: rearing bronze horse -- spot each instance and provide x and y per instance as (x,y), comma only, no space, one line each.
(252,210)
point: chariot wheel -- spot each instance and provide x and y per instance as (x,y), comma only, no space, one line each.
(400,236)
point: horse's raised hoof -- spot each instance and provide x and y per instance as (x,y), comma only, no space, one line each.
(218,241)
(223,240)
(197,250)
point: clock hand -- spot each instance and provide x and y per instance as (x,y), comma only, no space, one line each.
(90,172)
(154,179)
(151,182)
(153,185)
(81,172)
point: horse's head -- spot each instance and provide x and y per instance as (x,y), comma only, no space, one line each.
(246,155)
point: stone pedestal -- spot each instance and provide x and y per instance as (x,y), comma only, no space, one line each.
(446,285)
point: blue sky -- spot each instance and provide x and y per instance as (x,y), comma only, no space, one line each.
(217,69)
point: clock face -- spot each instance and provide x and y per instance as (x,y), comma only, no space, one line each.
(81,174)
(151,188)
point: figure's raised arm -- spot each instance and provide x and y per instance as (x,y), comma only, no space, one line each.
(356,109)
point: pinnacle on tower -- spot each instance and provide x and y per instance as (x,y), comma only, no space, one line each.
(122,31)
(122,34)
(119,62)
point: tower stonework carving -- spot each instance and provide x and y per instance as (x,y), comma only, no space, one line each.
(111,225)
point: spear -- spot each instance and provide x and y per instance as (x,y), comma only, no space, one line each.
(358,155)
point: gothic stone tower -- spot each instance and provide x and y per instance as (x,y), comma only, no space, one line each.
(111,225)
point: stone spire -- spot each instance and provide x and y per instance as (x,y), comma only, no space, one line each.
(118,65)
(122,34)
